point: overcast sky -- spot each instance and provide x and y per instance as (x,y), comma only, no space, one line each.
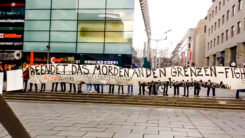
(177,15)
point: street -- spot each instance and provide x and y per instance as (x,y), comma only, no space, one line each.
(71,120)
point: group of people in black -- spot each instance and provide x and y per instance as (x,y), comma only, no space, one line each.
(154,88)
(150,88)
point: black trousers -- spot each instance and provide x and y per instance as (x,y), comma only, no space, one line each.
(186,91)
(120,87)
(111,89)
(196,91)
(43,87)
(165,90)
(79,88)
(31,87)
(74,87)
(25,85)
(213,90)
(176,90)
(54,86)
(63,86)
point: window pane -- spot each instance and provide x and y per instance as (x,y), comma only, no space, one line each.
(36,36)
(64,25)
(123,37)
(63,36)
(120,3)
(38,4)
(37,14)
(118,48)
(120,15)
(92,4)
(91,36)
(36,25)
(63,47)
(64,14)
(119,26)
(90,47)
(69,4)
(35,46)
(91,15)
(88,26)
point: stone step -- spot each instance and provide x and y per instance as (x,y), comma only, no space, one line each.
(128,99)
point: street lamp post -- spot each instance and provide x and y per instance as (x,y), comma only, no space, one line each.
(48,47)
(157,41)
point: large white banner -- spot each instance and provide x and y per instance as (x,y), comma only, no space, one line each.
(227,77)
(1,83)
(14,80)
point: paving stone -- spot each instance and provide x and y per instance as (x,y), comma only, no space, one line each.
(158,136)
(85,120)
(70,133)
(98,134)
(50,136)
(93,129)
(127,135)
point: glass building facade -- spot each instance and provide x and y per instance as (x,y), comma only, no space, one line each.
(93,29)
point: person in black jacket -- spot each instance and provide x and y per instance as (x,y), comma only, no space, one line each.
(165,88)
(176,85)
(197,87)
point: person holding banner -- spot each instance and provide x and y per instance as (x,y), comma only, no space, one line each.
(63,86)
(54,86)
(165,89)
(43,87)
(74,87)
(197,87)
(25,76)
(120,87)
(186,86)
(176,85)
(130,89)
(209,86)
(111,89)
(79,87)
(89,88)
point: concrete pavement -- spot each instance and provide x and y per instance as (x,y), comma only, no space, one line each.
(64,120)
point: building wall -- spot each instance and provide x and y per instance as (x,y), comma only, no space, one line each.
(224,50)
(200,44)
(186,48)
(12,14)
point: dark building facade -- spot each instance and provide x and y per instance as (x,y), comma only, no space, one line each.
(12,14)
